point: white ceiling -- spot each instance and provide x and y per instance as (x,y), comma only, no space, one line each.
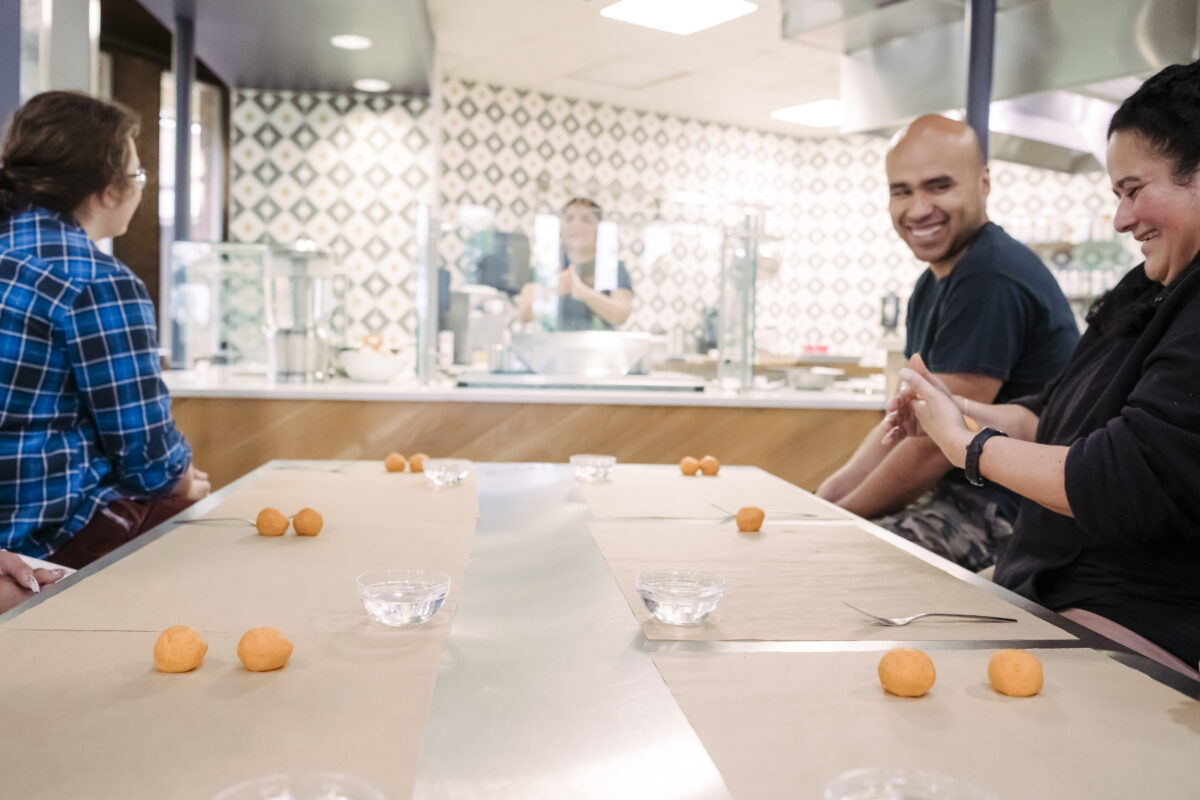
(737,72)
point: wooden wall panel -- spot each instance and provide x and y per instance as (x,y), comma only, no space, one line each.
(136,83)
(230,437)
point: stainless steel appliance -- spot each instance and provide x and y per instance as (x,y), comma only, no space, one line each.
(592,354)
(478,316)
(298,294)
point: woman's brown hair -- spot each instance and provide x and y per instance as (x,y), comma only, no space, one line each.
(60,148)
(586,202)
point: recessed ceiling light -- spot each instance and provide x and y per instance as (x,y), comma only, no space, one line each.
(371,85)
(678,16)
(819,114)
(350,41)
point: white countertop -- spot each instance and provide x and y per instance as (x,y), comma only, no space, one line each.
(228,383)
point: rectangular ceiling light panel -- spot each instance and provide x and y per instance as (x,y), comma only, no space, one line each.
(678,16)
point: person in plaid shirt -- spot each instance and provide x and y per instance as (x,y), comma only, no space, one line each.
(89,455)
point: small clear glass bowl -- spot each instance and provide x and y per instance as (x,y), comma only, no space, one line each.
(403,597)
(446,471)
(302,786)
(894,783)
(680,596)
(590,468)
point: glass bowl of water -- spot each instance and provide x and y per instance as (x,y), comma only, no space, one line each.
(403,597)
(446,471)
(302,786)
(680,596)
(896,783)
(590,468)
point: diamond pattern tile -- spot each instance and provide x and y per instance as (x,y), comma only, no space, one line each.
(348,171)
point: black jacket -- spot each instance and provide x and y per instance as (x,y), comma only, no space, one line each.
(1128,406)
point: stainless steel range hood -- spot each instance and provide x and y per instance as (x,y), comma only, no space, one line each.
(1061,66)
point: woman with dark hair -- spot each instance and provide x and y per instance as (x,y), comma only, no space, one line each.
(581,306)
(1107,458)
(89,455)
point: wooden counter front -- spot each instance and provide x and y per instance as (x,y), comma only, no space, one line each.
(231,436)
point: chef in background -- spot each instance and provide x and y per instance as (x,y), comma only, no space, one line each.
(595,291)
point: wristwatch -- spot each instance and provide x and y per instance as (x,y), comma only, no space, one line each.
(974,449)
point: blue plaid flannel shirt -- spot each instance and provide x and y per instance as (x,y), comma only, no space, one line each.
(85,418)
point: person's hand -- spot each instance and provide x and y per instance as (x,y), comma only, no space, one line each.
(194,485)
(19,581)
(579,288)
(567,279)
(936,412)
(201,485)
(900,423)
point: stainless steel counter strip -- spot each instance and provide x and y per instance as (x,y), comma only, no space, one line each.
(545,689)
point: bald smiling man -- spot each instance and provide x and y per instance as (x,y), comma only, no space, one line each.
(986,316)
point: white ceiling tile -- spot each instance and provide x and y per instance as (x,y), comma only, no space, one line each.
(627,73)
(736,73)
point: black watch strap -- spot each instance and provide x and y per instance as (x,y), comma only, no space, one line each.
(974,450)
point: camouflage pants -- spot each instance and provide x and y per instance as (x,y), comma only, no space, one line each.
(954,521)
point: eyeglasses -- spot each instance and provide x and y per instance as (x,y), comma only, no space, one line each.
(139,177)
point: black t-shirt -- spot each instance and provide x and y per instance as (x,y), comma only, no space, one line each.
(999,313)
(1128,406)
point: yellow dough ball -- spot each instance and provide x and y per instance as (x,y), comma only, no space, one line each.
(307,522)
(1015,673)
(180,648)
(750,518)
(417,462)
(264,649)
(709,465)
(906,672)
(271,522)
(394,462)
(689,465)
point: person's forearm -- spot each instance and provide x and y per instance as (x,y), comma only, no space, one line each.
(911,468)
(525,303)
(868,456)
(1035,471)
(612,309)
(1017,421)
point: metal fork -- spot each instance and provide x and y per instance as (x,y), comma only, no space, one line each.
(895,622)
(213,521)
(780,515)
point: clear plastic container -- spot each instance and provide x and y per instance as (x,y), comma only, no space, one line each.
(590,468)
(443,472)
(403,597)
(302,786)
(680,596)
(901,783)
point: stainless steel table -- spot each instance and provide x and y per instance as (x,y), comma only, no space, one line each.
(545,688)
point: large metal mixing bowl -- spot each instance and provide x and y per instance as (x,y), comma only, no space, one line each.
(593,354)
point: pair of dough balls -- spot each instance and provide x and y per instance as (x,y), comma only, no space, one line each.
(707,465)
(906,672)
(181,648)
(272,522)
(396,462)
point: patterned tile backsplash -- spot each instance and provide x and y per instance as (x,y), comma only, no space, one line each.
(349,170)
